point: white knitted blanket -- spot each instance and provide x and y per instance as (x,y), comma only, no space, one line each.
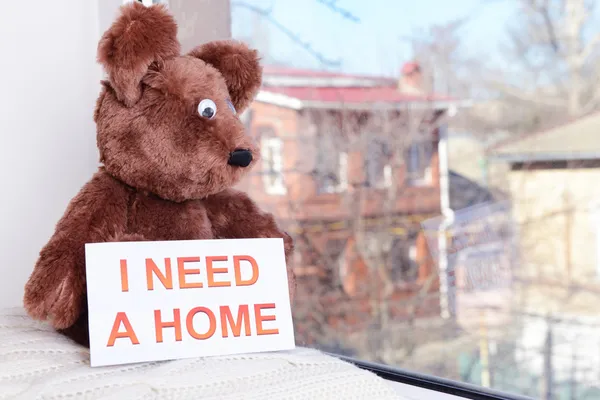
(37,363)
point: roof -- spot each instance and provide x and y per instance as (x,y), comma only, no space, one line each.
(575,140)
(466,193)
(301,88)
(349,97)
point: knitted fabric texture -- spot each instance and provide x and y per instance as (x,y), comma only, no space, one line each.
(37,363)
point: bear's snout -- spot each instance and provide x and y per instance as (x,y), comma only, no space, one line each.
(240,158)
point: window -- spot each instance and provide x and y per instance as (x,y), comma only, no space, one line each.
(418,162)
(331,169)
(378,164)
(272,165)
(335,251)
(461,126)
(403,260)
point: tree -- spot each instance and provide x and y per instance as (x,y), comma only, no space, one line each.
(446,67)
(265,15)
(550,71)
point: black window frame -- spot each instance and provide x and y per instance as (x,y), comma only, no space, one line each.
(433,383)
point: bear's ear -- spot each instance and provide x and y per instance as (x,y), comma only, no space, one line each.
(138,38)
(238,64)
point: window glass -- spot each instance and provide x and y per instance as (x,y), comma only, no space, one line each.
(418,161)
(378,163)
(272,161)
(437,163)
(331,165)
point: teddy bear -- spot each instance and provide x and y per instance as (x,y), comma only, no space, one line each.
(171,146)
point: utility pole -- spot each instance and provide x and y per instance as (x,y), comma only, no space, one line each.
(547,378)
(484,350)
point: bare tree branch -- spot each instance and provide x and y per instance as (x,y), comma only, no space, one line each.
(544,10)
(344,13)
(589,49)
(267,15)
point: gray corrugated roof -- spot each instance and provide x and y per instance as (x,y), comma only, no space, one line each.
(579,139)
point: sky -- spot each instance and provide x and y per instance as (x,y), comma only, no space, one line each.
(374,45)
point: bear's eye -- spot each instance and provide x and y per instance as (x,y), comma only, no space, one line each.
(231,107)
(207,109)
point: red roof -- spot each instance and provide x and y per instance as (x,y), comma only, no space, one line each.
(385,94)
(332,87)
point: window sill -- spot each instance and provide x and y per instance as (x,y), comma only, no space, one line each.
(275,194)
(419,182)
(331,191)
(275,191)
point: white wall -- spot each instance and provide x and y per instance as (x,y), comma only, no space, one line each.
(50,81)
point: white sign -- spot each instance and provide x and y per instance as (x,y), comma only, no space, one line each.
(167,300)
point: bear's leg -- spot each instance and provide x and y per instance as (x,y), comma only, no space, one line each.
(79,332)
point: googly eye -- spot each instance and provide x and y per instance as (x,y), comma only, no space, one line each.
(231,107)
(207,109)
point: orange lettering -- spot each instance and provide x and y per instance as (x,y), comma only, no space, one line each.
(260,319)
(238,272)
(124,278)
(243,317)
(183,272)
(159,325)
(211,271)
(115,334)
(166,279)
(190,323)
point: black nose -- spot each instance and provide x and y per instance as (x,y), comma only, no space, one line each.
(240,158)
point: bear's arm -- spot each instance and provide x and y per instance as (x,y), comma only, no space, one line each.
(56,288)
(234,215)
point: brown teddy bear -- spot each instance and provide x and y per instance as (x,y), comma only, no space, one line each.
(171,145)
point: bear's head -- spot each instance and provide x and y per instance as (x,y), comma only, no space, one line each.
(167,123)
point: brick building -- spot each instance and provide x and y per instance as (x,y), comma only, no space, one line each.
(350,167)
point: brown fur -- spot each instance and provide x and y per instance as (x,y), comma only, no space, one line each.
(240,68)
(140,37)
(165,174)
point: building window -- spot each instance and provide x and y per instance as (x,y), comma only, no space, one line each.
(377,165)
(331,170)
(418,162)
(403,261)
(334,260)
(272,163)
